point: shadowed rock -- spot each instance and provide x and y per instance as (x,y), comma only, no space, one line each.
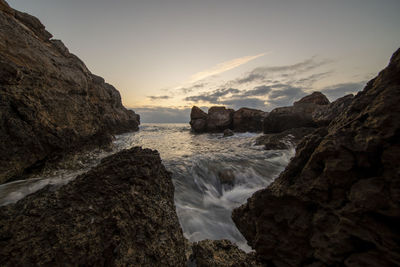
(317,98)
(50,103)
(121,213)
(338,201)
(219,119)
(221,253)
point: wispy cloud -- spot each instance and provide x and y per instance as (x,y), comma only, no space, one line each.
(159,97)
(222,67)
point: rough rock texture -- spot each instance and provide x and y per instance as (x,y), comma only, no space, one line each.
(248,120)
(317,98)
(325,114)
(285,139)
(338,201)
(221,253)
(50,103)
(228,132)
(219,119)
(120,213)
(296,116)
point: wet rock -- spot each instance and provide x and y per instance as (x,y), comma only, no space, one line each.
(248,120)
(338,201)
(121,213)
(219,119)
(50,104)
(226,177)
(221,253)
(285,139)
(228,132)
(198,120)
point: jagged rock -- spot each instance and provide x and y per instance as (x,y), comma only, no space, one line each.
(226,177)
(301,114)
(325,114)
(121,213)
(219,119)
(221,253)
(338,201)
(317,98)
(248,120)
(228,132)
(285,139)
(50,103)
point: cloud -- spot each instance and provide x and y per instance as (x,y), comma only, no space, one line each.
(285,97)
(262,73)
(237,103)
(189,89)
(212,97)
(258,91)
(338,90)
(163,114)
(161,97)
(222,67)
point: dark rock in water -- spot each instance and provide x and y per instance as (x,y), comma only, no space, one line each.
(221,253)
(228,132)
(325,114)
(338,201)
(219,119)
(50,103)
(121,213)
(226,177)
(285,139)
(317,98)
(248,120)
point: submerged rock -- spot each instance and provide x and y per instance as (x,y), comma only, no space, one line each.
(226,177)
(50,103)
(221,253)
(285,139)
(228,132)
(121,213)
(338,201)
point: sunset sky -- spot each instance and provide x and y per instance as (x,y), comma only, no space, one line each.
(165,56)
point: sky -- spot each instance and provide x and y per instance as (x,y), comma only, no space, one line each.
(165,56)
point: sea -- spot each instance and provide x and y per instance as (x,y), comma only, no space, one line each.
(203,203)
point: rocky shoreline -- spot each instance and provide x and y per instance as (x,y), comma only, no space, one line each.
(336,204)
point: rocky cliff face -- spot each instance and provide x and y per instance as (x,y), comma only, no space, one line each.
(120,213)
(219,119)
(50,103)
(338,201)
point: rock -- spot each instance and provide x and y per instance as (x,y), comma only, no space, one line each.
(228,132)
(285,139)
(219,119)
(317,98)
(248,120)
(197,113)
(121,213)
(325,114)
(311,111)
(50,103)
(338,201)
(198,120)
(226,177)
(221,253)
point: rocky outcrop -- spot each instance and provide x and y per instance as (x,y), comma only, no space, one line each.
(121,213)
(221,253)
(296,116)
(219,119)
(338,201)
(248,120)
(323,115)
(50,103)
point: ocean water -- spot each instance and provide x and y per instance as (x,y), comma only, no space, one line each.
(203,204)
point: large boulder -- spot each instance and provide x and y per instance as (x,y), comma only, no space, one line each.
(316,98)
(50,103)
(121,213)
(338,201)
(221,253)
(198,120)
(248,120)
(219,119)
